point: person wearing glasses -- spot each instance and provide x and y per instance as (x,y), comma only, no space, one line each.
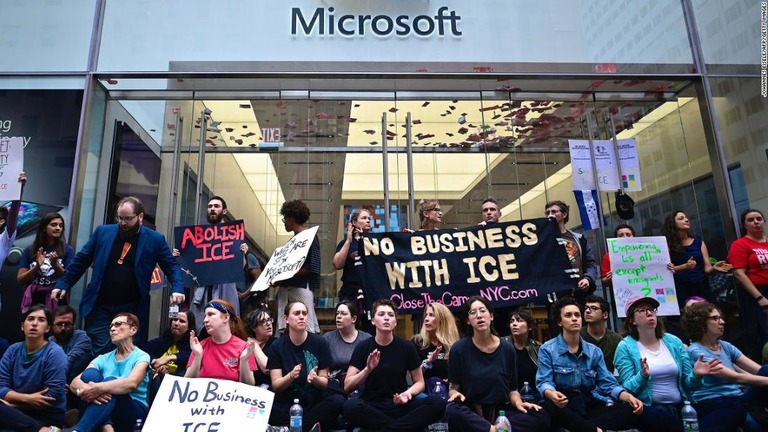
(170,352)
(596,313)
(122,257)
(430,215)
(579,392)
(654,366)
(260,327)
(114,387)
(43,262)
(224,354)
(32,378)
(579,251)
(720,403)
(75,343)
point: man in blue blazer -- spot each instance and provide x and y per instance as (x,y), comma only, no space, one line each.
(123,257)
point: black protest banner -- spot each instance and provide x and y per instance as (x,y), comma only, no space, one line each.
(507,263)
(211,253)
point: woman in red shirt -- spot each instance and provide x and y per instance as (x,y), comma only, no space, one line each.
(749,258)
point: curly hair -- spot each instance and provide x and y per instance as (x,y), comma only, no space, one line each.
(562,302)
(563,207)
(446,330)
(296,210)
(695,319)
(669,229)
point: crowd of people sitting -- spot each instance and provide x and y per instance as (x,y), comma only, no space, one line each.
(347,378)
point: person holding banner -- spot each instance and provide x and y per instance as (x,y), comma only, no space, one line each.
(720,403)
(749,257)
(654,366)
(224,354)
(578,249)
(482,376)
(430,215)
(579,392)
(44,262)
(621,231)
(348,256)
(123,257)
(8,221)
(33,376)
(380,363)
(217,209)
(690,258)
(301,287)
(115,385)
(260,328)
(298,364)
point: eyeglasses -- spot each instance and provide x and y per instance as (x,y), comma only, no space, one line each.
(552,211)
(474,312)
(117,324)
(125,218)
(63,324)
(592,308)
(716,318)
(644,311)
(265,322)
(439,210)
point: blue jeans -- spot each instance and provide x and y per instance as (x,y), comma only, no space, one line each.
(97,324)
(122,410)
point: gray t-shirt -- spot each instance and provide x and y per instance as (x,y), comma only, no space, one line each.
(341,351)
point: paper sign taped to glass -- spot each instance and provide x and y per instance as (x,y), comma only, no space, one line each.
(613,172)
(11,164)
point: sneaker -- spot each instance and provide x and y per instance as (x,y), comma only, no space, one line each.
(54,429)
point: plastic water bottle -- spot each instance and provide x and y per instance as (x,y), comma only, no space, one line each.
(297,413)
(527,393)
(439,390)
(502,422)
(139,425)
(690,420)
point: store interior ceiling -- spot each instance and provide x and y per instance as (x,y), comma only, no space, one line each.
(503,138)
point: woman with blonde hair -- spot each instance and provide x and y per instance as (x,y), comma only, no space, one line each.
(433,343)
(430,215)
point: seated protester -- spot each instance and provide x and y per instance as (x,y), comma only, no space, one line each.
(75,342)
(433,343)
(114,387)
(260,326)
(170,352)
(342,342)
(33,377)
(654,366)
(224,354)
(675,327)
(482,379)
(720,403)
(298,364)
(596,314)
(577,388)
(521,327)
(380,364)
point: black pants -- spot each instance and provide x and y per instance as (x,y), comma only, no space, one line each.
(23,421)
(463,418)
(324,412)
(386,416)
(615,417)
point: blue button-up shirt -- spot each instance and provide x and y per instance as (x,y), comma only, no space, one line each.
(560,369)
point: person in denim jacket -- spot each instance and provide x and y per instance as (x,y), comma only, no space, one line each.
(655,367)
(578,390)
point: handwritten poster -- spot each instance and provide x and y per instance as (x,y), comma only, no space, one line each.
(11,164)
(607,163)
(211,254)
(630,165)
(204,404)
(639,266)
(286,260)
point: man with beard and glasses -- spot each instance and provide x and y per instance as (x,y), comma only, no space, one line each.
(123,257)
(202,295)
(75,343)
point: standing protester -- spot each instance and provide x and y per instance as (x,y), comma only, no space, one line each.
(579,251)
(217,209)
(301,287)
(749,258)
(348,256)
(430,215)
(8,221)
(43,262)
(490,211)
(123,257)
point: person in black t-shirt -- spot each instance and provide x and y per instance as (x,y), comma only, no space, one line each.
(298,364)
(381,362)
(433,343)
